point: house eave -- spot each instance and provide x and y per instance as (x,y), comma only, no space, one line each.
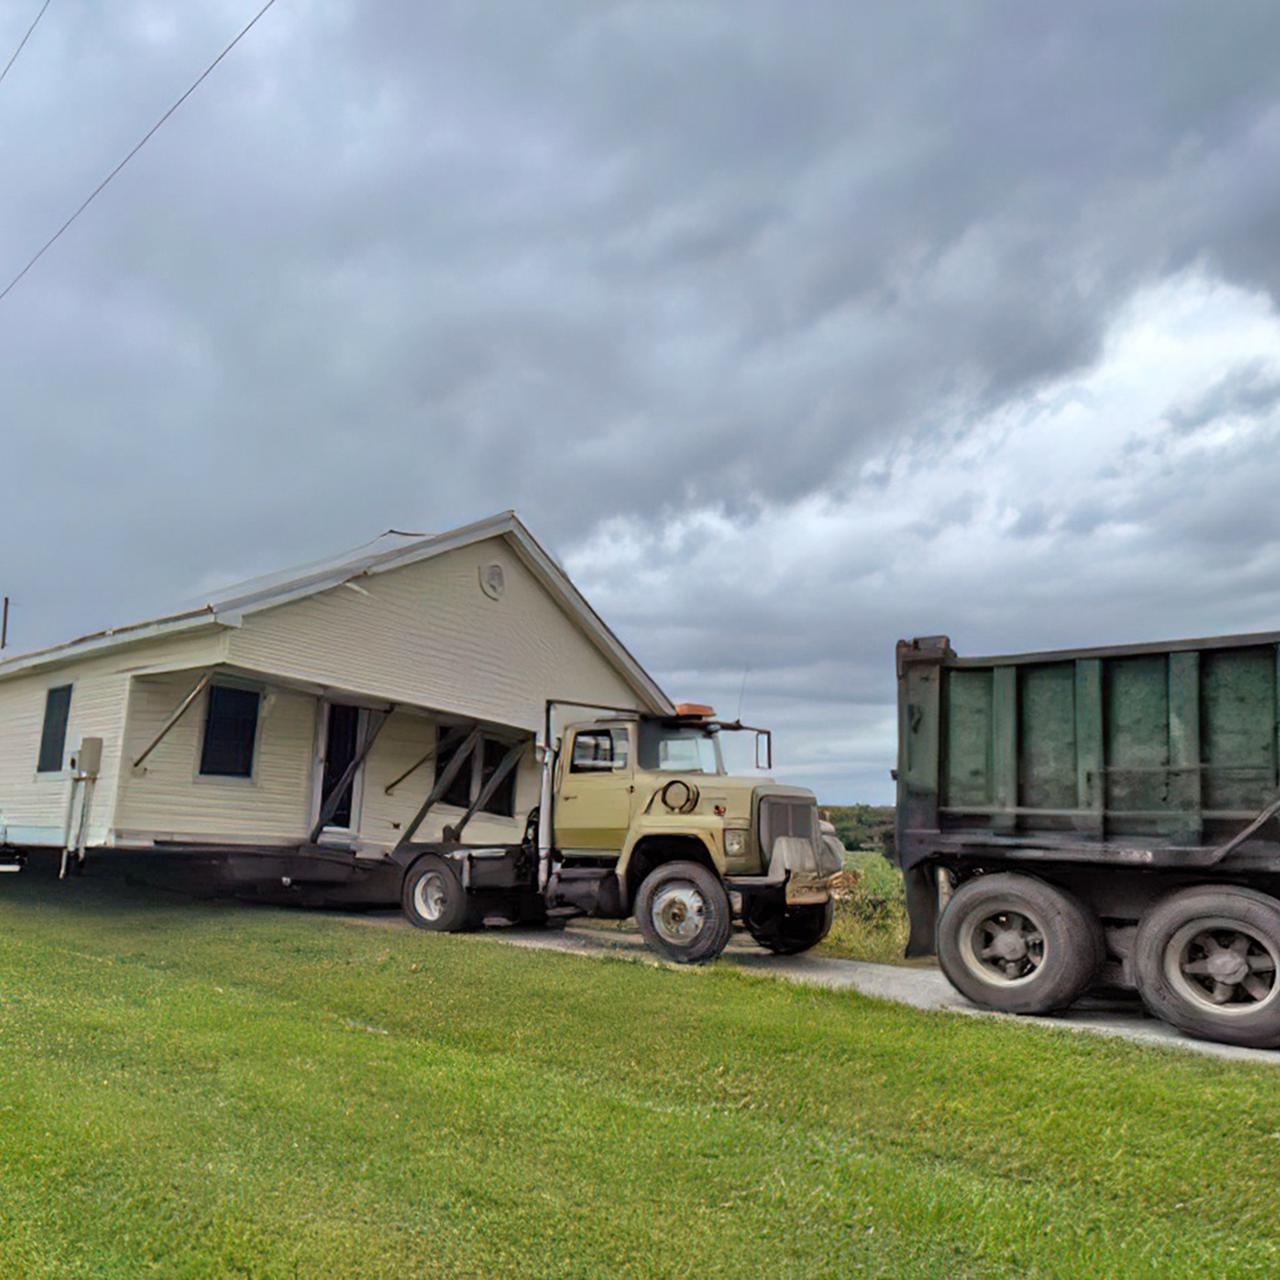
(113,638)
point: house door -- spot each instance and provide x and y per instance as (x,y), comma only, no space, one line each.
(341,742)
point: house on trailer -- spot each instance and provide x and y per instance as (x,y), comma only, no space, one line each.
(316,707)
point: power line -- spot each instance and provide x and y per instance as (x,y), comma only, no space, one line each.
(23,41)
(150,133)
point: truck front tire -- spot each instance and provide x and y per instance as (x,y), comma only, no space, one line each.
(684,913)
(787,931)
(1018,944)
(1207,962)
(433,897)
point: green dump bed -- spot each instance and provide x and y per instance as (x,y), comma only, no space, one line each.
(1159,755)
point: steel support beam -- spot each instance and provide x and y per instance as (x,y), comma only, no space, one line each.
(183,706)
(456,734)
(443,783)
(505,765)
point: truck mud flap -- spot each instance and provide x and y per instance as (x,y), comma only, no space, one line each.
(922,911)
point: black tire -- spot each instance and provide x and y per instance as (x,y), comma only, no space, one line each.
(1207,962)
(1018,944)
(684,913)
(433,897)
(791,930)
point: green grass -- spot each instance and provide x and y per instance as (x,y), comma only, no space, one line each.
(195,1090)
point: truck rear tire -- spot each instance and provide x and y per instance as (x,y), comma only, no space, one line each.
(1208,962)
(789,931)
(684,913)
(1018,944)
(433,897)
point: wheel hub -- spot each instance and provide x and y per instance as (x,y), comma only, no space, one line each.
(1009,944)
(679,913)
(1226,966)
(1222,964)
(1004,945)
(430,896)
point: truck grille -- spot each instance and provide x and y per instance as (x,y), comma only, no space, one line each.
(780,816)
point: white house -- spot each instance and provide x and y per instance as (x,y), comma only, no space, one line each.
(312,706)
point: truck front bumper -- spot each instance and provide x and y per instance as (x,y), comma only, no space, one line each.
(801,870)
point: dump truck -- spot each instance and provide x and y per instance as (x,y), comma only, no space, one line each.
(1104,817)
(639,817)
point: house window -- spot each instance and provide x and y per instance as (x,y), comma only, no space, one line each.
(230,728)
(472,777)
(599,750)
(459,792)
(53,738)
(503,800)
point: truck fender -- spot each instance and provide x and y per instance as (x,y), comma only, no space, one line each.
(636,838)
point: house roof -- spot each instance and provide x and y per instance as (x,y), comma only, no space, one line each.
(391,550)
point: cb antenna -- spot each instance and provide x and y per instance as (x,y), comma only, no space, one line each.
(742,693)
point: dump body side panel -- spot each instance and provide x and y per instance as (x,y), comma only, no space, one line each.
(1151,757)
(1097,757)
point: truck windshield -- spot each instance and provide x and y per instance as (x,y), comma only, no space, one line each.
(670,748)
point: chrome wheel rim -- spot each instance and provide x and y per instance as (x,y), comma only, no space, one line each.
(1223,965)
(679,913)
(430,896)
(1003,943)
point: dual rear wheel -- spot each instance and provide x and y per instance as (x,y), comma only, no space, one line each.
(1206,959)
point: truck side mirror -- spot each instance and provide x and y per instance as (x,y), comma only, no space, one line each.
(764,749)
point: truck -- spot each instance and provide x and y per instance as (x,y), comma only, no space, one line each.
(637,816)
(1097,818)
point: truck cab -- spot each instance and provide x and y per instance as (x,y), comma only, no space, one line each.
(646,820)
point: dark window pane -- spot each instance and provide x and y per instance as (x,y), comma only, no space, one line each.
(503,800)
(229,730)
(340,751)
(53,738)
(459,792)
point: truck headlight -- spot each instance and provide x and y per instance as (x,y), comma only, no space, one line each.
(735,841)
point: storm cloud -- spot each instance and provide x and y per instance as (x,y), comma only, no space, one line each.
(791,329)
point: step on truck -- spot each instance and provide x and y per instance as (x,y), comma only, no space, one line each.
(638,817)
(1097,818)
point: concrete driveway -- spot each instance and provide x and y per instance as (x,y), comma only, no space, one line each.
(920,987)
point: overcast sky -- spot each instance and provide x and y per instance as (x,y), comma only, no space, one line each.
(791,328)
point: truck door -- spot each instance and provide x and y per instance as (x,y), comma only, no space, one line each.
(593,805)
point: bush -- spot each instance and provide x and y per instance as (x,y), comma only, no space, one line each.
(871,914)
(863,826)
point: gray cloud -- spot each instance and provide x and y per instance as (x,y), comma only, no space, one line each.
(406,264)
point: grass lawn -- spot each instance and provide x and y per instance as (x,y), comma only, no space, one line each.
(192,1090)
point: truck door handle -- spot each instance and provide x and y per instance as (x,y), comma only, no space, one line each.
(568,797)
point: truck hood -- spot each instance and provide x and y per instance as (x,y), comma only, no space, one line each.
(729,797)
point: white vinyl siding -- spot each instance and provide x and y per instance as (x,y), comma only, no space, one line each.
(427,634)
(33,805)
(167,798)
